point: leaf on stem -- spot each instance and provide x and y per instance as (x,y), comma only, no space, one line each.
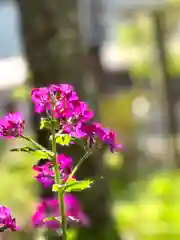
(47,123)
(57,188)
(35,152)
(62,139)
(73,185)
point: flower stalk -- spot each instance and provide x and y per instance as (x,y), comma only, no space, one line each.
(69,120)
(57,181)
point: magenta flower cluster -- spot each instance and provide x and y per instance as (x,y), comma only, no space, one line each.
(45,173)
(73,212)
(6,220)
(73,118)
(74,115)
(11,125)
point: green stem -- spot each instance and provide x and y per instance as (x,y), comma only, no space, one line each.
(38,145)
(84,157)
(63,215)
(57,181)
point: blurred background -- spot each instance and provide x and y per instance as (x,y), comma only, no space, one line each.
(123,58)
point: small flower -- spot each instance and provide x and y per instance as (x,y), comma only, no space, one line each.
(41,99)
(59,95)
(50,207)
(94,133)
(109,138)
(45,172)
(73,209)
(63,109)
(81,111)
(39,215)
(86,131)
(74,130)
(65,165)
(6,220)
(63,91)
(12,125)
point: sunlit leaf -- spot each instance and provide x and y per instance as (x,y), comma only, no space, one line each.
(45,123)
(35,152)
(63,139)
(73,186)
(56,187)
(76,186)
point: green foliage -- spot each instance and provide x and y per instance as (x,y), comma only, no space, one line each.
(154,210)
(45,123)
(63,139)
(16,175)
(56,188)
(73,185)
(173,64)
(76,186)
(141,69)
(39,154)
(139,32)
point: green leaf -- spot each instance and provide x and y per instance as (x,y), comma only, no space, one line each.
(56,187)
(45,123)
(73,186)
(36,152)
(63,139)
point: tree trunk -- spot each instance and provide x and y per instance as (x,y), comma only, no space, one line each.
(54,53)
(169,99)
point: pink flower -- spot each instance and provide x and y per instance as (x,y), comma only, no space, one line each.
(12,125)
(6,220)
(73,209)
(45,173)
(109,138)
(65,165)
(50,207)
(73,114)
(46,206)
(41,99)
(66,104)
(56,94)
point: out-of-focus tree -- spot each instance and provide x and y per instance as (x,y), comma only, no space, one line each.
(54,53)
(172,127)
